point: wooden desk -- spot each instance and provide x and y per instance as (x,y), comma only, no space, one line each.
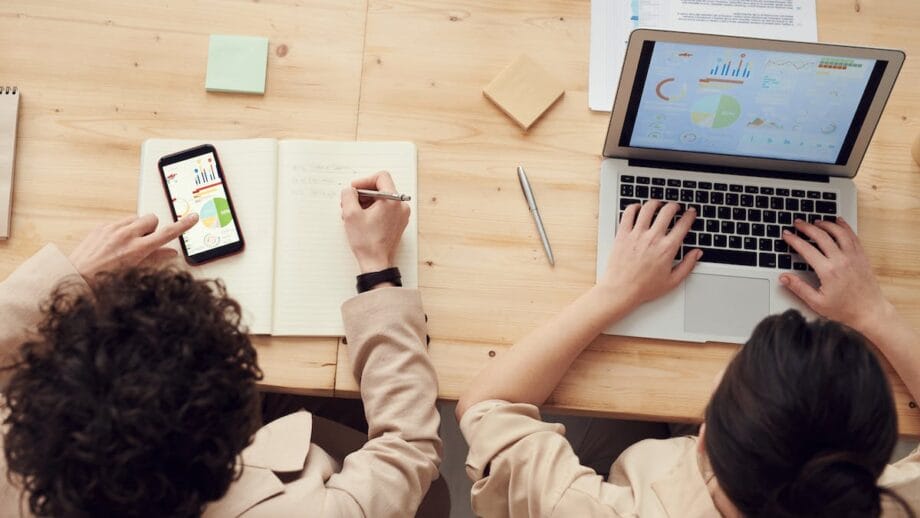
(485,280)
(99,79)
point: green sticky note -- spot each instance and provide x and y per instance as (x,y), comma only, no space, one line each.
(237,64)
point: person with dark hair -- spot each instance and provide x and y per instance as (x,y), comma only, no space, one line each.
(801,424)
(134,393)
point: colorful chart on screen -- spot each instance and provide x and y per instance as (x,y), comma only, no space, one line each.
(747,102)
(215,213)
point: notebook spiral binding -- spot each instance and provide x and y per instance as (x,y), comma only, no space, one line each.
(8,90)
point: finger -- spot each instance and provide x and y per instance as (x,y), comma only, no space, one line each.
(801,289)
(841,236)
(683,268)
(849,230)
(350,202)
(683,225)
(822,238)
(124,221)
(628,219)
(167,233)
(646,213)
(381,181)
(143,225)
(811,254)
(366,182)
(664,217)
(385,182)
(162,254)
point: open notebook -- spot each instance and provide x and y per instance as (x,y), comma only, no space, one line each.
(297,268)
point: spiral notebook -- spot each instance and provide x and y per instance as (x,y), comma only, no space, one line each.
(9,115)
(297,268)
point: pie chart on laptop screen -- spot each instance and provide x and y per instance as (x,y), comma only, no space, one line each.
(715,111)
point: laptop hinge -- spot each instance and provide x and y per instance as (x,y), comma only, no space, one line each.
(737,171)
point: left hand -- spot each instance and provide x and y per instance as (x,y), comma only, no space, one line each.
(640,266)
(126,243)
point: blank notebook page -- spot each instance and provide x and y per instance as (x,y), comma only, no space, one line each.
(249,168)
(314,268)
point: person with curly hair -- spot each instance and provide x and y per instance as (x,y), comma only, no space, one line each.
(132,391)
(802,423)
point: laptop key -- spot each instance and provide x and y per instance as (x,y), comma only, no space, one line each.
(672,194)
(826,207)
(728,227)
(747,200)
(750,243)
(702,196)
(742,228)
(762,202)
(758,229)
(690,238)
(627,179)
(712,226)
(768,260)
(717,198)
(829,195)
(643,180)
(782,192)
(704,185)
(704,240)
(769,216)
(697,225)
(807,206)
(753,215)
(765,244)
(736,188)
(709,211)
(750,189)
(792,204)
(673,182)
(766,190)
(777,203)
(626,190)
(799,266)
(732,199)
(720,186)
(798,193)
(734,242)
(725,212)
(689,184)
(739,214)
(658,181)
(815,195)
(784,218)
(784,261)
(724,256)
(641,191)
(719,240)
(686,195)
(773,231)
(626,202)
(780,246)
(656,193)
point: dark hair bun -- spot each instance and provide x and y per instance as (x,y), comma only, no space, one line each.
(831,485)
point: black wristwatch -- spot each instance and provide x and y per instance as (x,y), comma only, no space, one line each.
(368,281)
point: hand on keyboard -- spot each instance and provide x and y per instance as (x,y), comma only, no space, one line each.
(641,263)
(849,292)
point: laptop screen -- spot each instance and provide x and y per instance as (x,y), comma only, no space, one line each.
(749,102)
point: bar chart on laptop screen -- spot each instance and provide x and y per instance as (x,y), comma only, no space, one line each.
(748,102)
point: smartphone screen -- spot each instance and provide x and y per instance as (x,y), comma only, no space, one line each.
(195,183)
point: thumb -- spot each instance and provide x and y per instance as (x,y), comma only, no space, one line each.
(683,269)
(801,289)
(350,203)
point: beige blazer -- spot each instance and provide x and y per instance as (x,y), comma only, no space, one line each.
(523,467)
(282,473)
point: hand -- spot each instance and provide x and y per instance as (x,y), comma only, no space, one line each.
(849,292)
(374,226)
(640,266)
(126,243)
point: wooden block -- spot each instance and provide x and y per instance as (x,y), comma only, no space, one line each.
(915,149)
(524,91)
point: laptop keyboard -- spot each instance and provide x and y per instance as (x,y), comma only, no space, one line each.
(736,224)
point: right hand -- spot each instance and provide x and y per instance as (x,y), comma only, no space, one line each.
(373,226)
(641,267)
(849,292)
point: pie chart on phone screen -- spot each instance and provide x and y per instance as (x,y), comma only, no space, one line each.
(215,213)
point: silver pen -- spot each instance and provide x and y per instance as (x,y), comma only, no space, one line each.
(532,205)
(385,195)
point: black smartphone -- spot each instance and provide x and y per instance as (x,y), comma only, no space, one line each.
(194,182)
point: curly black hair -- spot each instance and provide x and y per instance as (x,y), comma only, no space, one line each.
(135,398)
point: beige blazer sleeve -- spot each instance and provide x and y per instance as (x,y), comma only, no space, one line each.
(523,467)
(21,295)
(386,334)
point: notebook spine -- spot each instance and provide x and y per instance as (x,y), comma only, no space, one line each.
(9,90)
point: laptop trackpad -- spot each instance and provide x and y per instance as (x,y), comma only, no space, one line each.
(726,306)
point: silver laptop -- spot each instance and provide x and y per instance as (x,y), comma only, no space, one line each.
(754,133)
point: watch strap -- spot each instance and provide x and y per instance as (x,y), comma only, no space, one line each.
(368,281)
